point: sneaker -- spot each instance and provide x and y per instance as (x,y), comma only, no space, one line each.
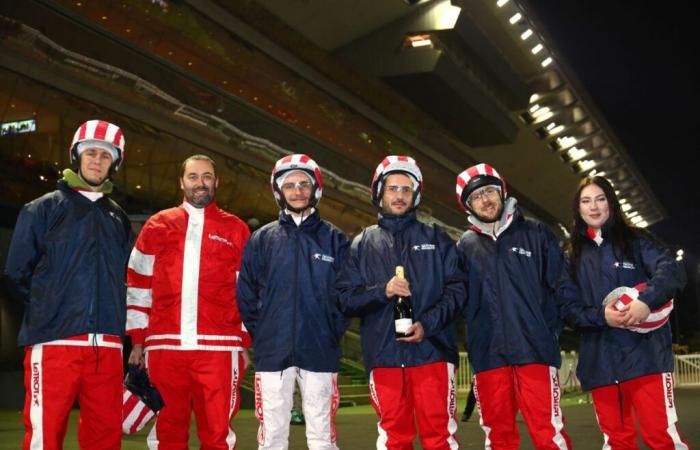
(297,417)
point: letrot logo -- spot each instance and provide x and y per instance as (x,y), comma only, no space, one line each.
(423,247)
(624,265)
(668,383)
(220,239)
(555,395)
(35,383)
(322,257)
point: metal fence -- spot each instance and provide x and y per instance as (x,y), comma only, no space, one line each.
(686,373)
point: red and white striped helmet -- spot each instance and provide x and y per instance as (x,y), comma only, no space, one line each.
(135,413)
(397,164)
(291,163)
(624,295)
(99,133)
(475,177)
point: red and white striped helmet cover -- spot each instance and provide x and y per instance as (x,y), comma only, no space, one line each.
(657,318)
(396,163)
(99,130)
(297,161)
(135,413)
(472,172)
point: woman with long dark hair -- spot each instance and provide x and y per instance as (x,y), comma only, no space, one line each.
(616,292)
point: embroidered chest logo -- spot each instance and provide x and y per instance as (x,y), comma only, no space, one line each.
(214,237)
(115,216)
(624,265)
(521,251)
(322,257)
(422,247)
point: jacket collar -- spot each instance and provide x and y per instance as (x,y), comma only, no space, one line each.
(288,221)
(395,223)
(493,230)
(194,211)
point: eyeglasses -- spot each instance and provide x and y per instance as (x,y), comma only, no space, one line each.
(402,189)
(481,194)
(301,185)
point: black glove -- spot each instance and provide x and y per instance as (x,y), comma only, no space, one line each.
(137,382)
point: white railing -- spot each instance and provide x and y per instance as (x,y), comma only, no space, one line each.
(686,373)
(687,370)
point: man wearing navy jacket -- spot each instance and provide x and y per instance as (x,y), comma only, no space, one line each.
(411,376)
(286,297)
(513,265)
(67,263)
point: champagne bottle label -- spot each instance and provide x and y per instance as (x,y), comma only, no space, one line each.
(402,325)
(399,271)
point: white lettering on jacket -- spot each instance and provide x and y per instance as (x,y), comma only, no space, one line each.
(322,257)
(423,247)
(521,251)
(220,239)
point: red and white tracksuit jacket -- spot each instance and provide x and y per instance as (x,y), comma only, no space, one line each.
(181,305)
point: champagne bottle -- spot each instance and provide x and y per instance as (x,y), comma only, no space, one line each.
(403,311)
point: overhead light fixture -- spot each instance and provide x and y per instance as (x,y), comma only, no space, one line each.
(566,141)
(680,252)
(643,224)
(622,200)
(534,108)
(585,165)
(515,18)
(631,214)
(418,40)
(500,3)
(625,207)
(635,220)
(547,61)
(526,34)
(539,112)
(575,154)
(537,48)
(595,173)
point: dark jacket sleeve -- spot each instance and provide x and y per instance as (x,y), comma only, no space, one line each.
(247,286)
(572,308)
(454,296)
(342,245)
(665,274)
(356,298)
(25,251)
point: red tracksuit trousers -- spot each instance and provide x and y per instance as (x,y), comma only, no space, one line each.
(651,399)
(424,394)
(534,390)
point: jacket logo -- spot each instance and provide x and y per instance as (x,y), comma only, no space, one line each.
(624,265)
(521,251)
(115,216)
(322,257)
(214,237)
(668,383)
(423,247)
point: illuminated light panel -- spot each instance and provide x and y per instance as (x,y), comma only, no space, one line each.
(545,116)
(550,126)
(566,141)
(635,220)
(547,62)
(576,153)
(526,34)
(447,16)
(623,200)
(643,224)
(421,43)
(515,18)
(586,164)
(500,3)
(626,207)
(534,98)
(418,40)
(537,48)
(680,252)
(541,112)
(534,108)
(632,214)
(556,130)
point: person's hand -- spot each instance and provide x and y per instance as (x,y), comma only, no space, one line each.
(246,358)
(136,356)
(613,317)
(397,286)
(636,313)
(418,333)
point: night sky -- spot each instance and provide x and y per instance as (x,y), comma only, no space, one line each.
(636,60)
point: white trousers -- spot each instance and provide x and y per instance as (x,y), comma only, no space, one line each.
(273,405)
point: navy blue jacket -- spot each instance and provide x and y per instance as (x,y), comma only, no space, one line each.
(67,263)
(437,290)
(286,294)
(609,355)
(511,310)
